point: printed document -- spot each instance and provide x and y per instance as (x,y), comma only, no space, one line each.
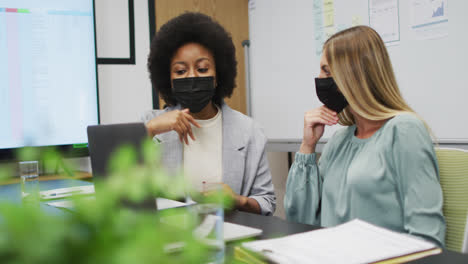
(353,242)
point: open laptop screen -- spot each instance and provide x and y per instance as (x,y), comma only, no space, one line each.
(105,140)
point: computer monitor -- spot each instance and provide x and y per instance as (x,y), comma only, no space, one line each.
(48,74)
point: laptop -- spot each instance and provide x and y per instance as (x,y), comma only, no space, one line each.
(104,140)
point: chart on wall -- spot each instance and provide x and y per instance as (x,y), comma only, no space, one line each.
(428,18)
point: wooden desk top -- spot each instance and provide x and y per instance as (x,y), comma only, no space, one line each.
(78,175)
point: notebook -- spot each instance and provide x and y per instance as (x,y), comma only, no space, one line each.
(234,232)
(162,203)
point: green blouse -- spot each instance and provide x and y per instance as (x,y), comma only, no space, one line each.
(390,179)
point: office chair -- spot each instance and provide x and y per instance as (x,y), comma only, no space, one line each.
(465,242)
(453,169)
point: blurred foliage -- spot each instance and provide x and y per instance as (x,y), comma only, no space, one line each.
(104,229)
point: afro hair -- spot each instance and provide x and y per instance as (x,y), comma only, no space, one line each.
(192,28)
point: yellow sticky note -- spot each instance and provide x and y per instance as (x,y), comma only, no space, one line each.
(329,32)
(328,13)
(328,6)
(329,19)
(356,21)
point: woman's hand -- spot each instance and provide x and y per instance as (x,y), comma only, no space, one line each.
(242,203)
(314,126)
(177,120)
(214,188)
(239,200)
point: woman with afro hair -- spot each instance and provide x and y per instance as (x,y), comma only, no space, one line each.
(192,65)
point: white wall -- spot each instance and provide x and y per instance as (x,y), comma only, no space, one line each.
(125,90)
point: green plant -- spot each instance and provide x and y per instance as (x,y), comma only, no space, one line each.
(104,230)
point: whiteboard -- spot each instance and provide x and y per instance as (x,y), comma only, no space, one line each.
(431,73)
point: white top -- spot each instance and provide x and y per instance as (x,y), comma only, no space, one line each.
(203,157)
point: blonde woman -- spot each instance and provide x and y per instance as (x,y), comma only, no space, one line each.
(382,167)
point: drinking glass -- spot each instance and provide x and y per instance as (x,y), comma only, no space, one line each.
(29,177)
(210,221)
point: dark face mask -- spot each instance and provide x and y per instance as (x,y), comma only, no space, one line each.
(329,95)
(193,93)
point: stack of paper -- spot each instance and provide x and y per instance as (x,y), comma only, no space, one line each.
(352,242)
(233,232)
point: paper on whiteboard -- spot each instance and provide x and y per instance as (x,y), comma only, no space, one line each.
(384,18)
(252,5)
(332,16)
(328,13)
(319,34)
(429,18)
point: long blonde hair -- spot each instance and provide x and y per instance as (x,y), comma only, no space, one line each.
(360,65)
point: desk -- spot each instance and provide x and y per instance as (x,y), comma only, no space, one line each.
(272,226)
(77,175)
(275,227)
(11,191)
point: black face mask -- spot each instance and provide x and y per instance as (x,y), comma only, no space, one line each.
(193,93)
(329,95)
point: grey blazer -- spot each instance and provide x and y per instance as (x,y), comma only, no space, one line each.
(245,165)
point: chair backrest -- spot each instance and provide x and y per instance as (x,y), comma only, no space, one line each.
(453,169)
(465,242)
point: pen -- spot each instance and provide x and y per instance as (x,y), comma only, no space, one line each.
(66,193)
